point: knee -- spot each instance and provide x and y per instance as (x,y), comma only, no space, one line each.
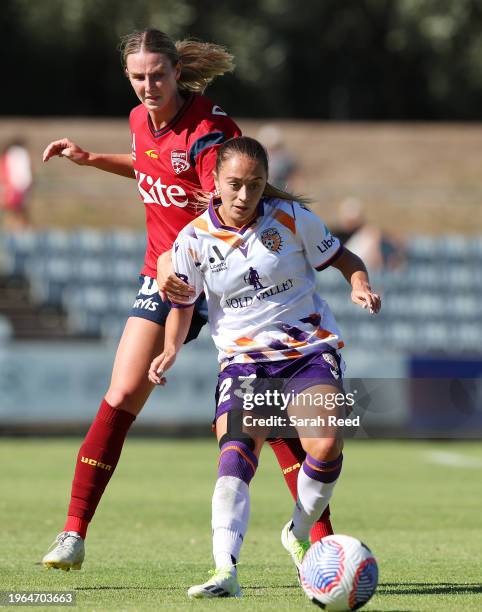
(323,449)
(124,399)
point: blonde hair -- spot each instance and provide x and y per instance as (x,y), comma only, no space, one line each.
(200,62)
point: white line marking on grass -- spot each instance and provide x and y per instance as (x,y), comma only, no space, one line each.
(455,460)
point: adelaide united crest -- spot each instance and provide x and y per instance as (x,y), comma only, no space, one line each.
(179,161)
(272,240)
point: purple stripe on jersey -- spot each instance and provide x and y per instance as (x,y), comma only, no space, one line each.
(236,459)
(257,356)
(294,332)
(332,259)
(277,345)
(322,471)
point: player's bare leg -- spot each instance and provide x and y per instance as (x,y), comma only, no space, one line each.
(100,452)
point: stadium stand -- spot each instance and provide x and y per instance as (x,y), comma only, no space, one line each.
(88,278)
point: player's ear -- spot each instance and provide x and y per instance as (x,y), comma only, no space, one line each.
(178,68)
(216,183)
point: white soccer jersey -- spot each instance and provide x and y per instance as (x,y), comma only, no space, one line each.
(259,281)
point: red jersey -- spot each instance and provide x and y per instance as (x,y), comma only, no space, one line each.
(172,165)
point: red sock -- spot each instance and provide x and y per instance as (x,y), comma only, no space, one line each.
(290,455)
(96,462)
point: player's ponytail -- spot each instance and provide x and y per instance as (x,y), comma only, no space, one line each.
(200,62)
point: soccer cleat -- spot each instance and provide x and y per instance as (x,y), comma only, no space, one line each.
(224,583)
(68,553)
(296,548)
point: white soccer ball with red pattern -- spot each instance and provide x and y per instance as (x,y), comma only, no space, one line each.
(339,573)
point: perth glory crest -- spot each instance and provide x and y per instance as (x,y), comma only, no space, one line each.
(272,239)
(179,161)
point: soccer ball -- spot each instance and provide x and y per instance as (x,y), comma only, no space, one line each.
(339,573)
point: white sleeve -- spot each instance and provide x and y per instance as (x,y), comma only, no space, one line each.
(186,262)
(321,247)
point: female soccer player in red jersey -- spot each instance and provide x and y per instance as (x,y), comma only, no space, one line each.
(175,134)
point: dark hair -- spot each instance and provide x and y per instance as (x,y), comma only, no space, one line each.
(244,145)
(200,62)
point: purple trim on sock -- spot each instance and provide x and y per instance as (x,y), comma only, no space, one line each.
(236,459)
(323,471)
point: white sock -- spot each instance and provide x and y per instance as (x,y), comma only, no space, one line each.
(230,516)
(313,498)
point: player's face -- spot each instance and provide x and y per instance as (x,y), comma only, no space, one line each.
(240,183)
(154,79)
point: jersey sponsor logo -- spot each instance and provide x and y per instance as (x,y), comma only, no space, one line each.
(154,192)
(179,161)
(152,153)
(252,278)
(217,263)
(217,110)
(247,300)
(272,240)
(326,244)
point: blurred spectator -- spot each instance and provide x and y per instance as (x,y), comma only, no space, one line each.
(377,249)
(16,180)
(282,166)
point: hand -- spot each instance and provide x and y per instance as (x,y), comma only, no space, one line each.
(363,296)
(170,286)
(159,365)
(66,148)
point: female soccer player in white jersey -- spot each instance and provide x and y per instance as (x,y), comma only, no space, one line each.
(175,134)
(255,257)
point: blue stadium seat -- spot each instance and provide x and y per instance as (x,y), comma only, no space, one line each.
(89,243)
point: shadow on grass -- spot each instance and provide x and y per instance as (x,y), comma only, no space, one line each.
(102,587)
(427,588)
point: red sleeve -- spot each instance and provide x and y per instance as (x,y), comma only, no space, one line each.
(203,150)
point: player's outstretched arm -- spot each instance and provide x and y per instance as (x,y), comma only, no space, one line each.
(170,286)
(355,272)
(177,327)
(117,163)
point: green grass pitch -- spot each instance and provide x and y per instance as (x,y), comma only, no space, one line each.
(417,505)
